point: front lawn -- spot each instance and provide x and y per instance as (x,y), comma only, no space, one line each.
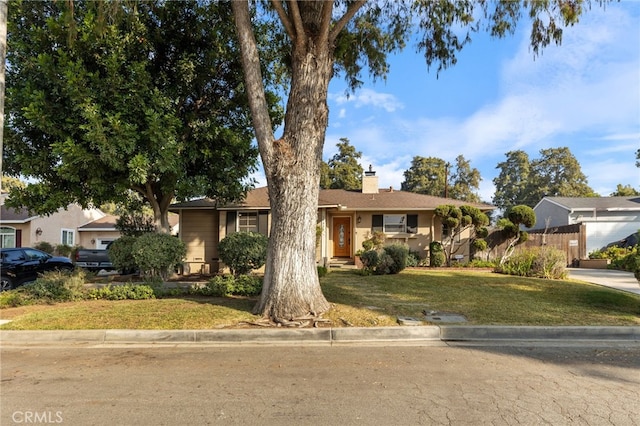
(484,298)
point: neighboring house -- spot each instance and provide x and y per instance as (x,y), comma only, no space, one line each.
(606,219)
(99,233)
(345,219)
(19,228)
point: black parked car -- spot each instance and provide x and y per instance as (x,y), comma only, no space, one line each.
(21,265)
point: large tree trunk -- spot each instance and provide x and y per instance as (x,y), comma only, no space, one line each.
(292,166)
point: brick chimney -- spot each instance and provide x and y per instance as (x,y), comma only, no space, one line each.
(369,182)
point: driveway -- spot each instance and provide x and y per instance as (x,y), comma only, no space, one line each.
(620,280)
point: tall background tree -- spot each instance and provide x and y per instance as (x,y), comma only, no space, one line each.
(434,176)
(511,183)
(427,175)
(556,173)
(342,171)
(322,39)
(465,181)
(105,98)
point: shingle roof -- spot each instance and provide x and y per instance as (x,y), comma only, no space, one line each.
(597,203)
(385,199)
(11,215)
(109,223)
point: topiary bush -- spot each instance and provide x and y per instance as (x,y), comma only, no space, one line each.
(243,252)
(436,254)
(157,255)
(121,254)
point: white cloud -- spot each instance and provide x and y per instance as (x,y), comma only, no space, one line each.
(368,97)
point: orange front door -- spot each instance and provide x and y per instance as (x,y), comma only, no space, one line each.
(342,237)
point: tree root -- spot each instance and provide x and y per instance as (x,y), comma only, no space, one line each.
(301,322)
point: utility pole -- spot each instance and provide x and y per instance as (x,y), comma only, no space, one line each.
(446,180)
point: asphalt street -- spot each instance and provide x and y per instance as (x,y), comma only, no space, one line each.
(305,385)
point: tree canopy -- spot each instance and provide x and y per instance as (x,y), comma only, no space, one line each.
(323,39)
(342,171)
(434,176)
(142,97)
(556,173)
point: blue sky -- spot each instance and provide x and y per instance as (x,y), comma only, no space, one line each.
(584,94)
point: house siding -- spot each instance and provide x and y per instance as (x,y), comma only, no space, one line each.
(199,231)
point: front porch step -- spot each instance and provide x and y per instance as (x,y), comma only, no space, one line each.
(344,263)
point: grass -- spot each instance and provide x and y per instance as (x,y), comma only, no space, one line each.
(484,298)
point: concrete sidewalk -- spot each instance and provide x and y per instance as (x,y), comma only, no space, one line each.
(619,280)
(331,336)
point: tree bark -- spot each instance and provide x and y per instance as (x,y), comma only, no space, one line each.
(292,163)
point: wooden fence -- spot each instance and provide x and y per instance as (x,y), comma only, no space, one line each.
(572,239)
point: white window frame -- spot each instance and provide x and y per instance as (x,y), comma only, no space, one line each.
(401,224)
(7,238)
(67,231)
(247,227)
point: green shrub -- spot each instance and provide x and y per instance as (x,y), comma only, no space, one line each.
(369,261)
(227,285)
(322,271)
(386,264)
(398,253)
(479,263)
(413,259)
(121,254)
(13,298)
(550,263)
(122,292)
(158,254)
(436,254)
(543,262)
(57,286)
(63,250)
(243,252)
(374,242)
(44,246)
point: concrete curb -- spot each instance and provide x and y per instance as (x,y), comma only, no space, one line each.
(468,333)
(326,336)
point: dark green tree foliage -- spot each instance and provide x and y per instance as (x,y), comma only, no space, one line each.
(134,224)
(556,173)
(434,176)
(342,171)
(141,96)
(512,182)
(426,175)
(465,181)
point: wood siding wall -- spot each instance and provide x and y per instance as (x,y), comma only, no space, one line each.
(199,231)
